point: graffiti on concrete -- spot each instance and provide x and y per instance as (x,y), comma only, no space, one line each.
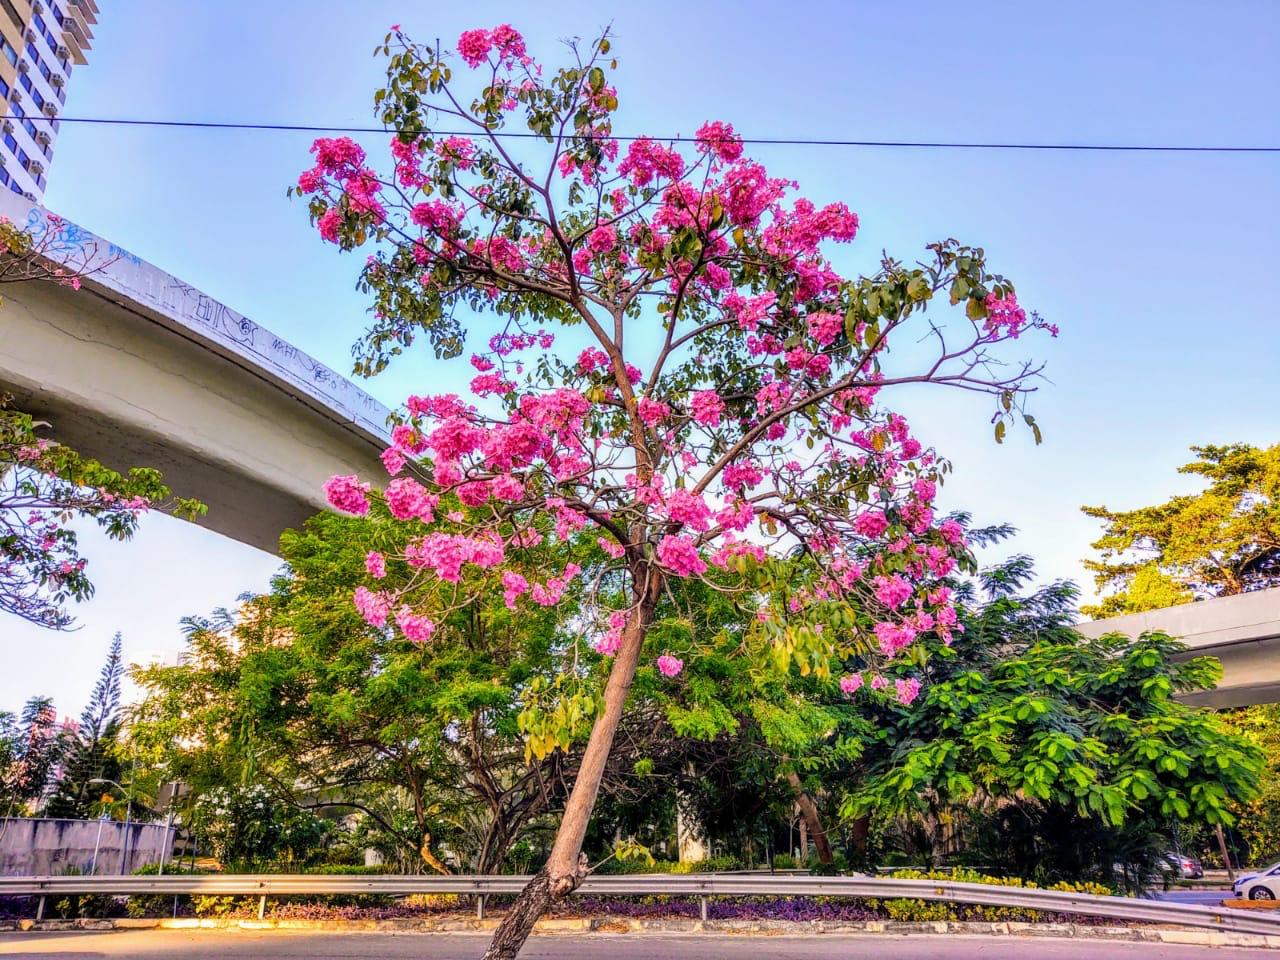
(182,305)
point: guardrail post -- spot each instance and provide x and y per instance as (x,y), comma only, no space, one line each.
(480,899)
(702,908)
(40,909)
(262,906)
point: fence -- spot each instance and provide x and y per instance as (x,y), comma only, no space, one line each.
(696,885)
(41,845)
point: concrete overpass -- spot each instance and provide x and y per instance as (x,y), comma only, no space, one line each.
(1242,631)
(137,368)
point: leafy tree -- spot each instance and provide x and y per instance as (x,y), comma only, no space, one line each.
(91,747)
(1056,736)
(31,745)
(332,713)
(1221,541)
(44,487)
(1258,818)
(730,380)
(247,828)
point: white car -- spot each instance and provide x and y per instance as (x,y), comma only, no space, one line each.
(1263,885)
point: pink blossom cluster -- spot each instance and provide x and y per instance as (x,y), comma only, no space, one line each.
(348,494)
(474,46)
(670,666)
(680,556)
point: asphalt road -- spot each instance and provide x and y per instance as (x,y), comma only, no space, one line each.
(243,944)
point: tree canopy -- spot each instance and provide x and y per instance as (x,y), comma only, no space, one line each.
(724,401)
(1221,541)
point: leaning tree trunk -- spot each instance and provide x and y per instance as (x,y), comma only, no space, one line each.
(809,810)
(566,867)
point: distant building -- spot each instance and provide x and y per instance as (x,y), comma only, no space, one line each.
(40,41)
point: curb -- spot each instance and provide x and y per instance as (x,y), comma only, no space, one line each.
(625,926)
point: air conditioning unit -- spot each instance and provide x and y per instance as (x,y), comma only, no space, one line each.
(36,168)
(37,7)
(24,67)
(43,138)
(15,95)
(63,51)
(30,35)
(58,81)
(50,108)
(30,196)
(8,126)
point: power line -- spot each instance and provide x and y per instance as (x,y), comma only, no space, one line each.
(760,141)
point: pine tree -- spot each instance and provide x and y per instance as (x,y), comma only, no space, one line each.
(31,745)
(90,755)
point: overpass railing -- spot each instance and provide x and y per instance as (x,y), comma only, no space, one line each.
(702,885)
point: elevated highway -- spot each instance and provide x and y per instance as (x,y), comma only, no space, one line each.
(1241,631)
(139,368)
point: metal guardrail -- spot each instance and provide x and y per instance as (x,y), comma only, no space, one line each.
(701,885)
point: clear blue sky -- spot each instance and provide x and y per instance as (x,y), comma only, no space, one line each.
(1158,268)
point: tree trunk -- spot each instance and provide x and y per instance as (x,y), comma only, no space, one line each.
(430,859)
(809,811)
(565,867)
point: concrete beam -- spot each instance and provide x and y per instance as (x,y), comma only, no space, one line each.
(1243,632)
(138,368)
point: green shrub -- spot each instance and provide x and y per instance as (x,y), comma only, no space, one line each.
(910,910)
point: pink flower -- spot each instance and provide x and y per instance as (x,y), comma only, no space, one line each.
(892,591)
(718,137)
(474,47)
(878,682)
(611,641)
(374,607)
(738,475)
(591,360)
(850,684)
(602,239)
(407,499)
(417,628)
(907,690)
(825,327)
(612,547)
(376,564)
(329,223)
(1004,315)
(871,524)
(508,42)
(670,666)
(513,585)
(393,460)
(680,556)
(652,412)
(894,637)
(706,407)
(475,493)
(689,509)
(952,532)
(348,494)
(507,488)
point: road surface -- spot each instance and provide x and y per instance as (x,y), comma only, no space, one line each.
(328,945)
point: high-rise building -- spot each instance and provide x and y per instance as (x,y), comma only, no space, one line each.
(40,41)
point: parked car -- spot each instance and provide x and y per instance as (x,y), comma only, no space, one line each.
(1263,885)
(1188,868)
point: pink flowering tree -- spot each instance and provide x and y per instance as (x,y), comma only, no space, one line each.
(45,488)
(665,360)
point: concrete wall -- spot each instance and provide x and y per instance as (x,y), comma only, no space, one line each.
(138,369)
(1243,632)
(41,847)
